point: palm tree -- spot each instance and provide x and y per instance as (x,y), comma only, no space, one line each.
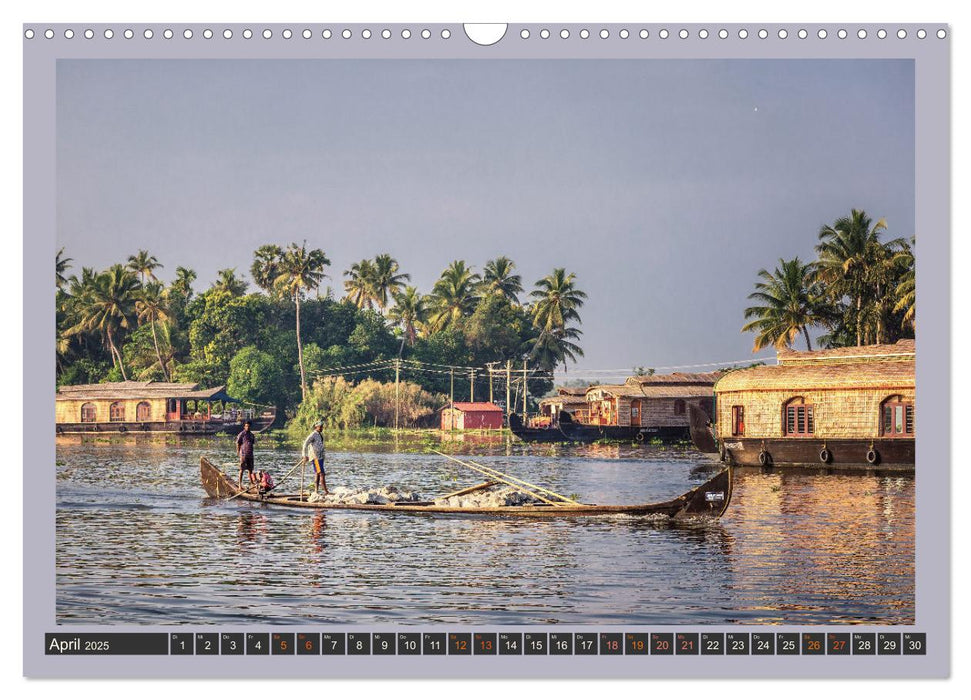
(301,270)
(850,253)
(387,281)
(107,307)
(453,296)
(410,309)
(557,300)
(498,278)
(184,277)
(906,291)
(555,345)
(144,265)
(790,305)
(150,303)
(60,267)
(266,267)
(229,282)
(360,285)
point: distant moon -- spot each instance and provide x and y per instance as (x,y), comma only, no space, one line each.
(756,109)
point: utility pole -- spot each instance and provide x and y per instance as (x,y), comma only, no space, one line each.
(508,395)
(397,373)
(489,365)
(451,395)
(524,391)
(472,386)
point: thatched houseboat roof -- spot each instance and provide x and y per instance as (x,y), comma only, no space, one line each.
(708,378)
(796,378)
(899,351)
(141,390)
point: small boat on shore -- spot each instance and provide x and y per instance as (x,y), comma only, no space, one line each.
(710,499)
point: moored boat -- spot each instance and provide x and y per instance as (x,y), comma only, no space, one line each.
(843,408)
(152,407)
(710,499)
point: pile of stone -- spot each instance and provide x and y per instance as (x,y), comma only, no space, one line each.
(488,499)
(376,496)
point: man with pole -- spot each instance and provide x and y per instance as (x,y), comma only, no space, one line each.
(314,452)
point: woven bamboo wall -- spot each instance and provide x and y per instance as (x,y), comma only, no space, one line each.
(69,410)
(660,413)
(836,413)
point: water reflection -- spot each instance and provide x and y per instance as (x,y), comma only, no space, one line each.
(137,541)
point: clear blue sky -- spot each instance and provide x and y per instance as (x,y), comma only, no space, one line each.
(664,185)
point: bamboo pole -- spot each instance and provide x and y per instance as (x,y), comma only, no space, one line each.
(509,480)
(526,483)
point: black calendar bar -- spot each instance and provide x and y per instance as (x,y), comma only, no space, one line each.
(107,644)
(470,643)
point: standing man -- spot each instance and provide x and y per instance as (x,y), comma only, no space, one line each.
(244,448)
(313,452)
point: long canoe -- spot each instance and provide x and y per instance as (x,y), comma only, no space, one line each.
(710,499)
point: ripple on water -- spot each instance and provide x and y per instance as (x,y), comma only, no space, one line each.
(137,542)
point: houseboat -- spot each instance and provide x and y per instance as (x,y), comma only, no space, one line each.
(845,408)
(152,407)
(650,407)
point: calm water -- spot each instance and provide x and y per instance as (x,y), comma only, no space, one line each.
(138,542)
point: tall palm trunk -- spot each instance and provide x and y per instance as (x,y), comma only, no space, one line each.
(303,378)
(116,355)
(809,345)
(158,353)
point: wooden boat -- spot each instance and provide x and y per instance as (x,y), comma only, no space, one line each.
(568,430)
(257,423)
(710,499)
(551,433)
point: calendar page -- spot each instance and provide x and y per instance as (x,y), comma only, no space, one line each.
(515,351)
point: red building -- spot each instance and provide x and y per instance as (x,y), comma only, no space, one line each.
(480,415)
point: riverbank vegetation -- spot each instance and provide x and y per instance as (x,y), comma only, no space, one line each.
(281,338)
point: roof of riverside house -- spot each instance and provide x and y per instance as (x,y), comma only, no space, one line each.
(475,406)
(572,390)
(141,390)
(883,374)
(655,391)
(901,350)
(676,378)
(566,399)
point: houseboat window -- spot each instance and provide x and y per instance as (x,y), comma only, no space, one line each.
(89,414)
(799,419)
(143,411)
(679,407)
(898,418)
(116,411)
(738,420)
(635,411)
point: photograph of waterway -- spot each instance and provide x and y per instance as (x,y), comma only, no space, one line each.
(139,542)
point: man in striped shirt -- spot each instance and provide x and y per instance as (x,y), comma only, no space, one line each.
(313,452)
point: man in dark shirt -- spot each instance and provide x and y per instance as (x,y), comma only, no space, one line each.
(244,448)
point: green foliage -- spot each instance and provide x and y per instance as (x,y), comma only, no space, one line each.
(343,405)
(495,329)
(225,324)
(256,376)
(111,325)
